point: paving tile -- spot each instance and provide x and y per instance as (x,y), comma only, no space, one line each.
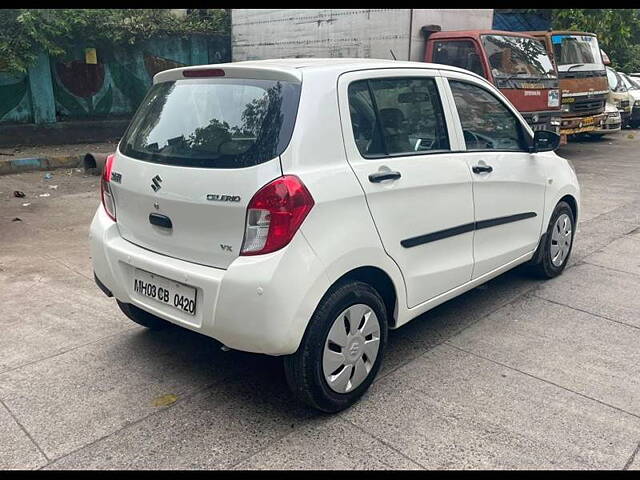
(446,320)
(330,443)
(449,409)
(587,354)
(218,428)
(47,310)
(622,254)
(597,290)
(80,396)
(17,451)
(595,234)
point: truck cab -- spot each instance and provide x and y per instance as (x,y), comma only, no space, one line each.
(517,64)
(583,78)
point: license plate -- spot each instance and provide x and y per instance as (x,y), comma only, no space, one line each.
(588,121)
(169,292)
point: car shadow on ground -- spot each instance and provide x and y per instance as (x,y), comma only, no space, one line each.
(193,363)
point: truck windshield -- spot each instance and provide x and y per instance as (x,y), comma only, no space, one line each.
(579,51)
(521,57)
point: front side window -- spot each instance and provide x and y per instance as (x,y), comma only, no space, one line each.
(487,124)
(458,53)
(397,116)
(213,123)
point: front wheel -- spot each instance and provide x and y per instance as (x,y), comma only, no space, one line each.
(553,253)
(342,348)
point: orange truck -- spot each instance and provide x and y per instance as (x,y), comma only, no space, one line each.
(583,79)
(516,63)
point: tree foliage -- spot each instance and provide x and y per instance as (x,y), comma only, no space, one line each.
(25,32)
(618,31)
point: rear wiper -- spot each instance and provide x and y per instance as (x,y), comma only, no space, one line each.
(576,65)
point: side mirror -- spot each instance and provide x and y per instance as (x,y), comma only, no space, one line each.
(544,141)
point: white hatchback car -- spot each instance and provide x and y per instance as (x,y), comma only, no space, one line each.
(303,207)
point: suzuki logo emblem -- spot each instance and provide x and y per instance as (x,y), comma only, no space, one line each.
(155,183)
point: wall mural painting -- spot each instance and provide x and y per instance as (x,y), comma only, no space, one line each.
(86,90)
(12,93)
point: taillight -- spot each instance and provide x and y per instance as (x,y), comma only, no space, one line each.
(105,188)
(274,215)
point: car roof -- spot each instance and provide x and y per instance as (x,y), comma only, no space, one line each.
(292,68)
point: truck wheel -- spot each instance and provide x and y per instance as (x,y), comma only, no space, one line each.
(342,348)
(141,317)
(554,250)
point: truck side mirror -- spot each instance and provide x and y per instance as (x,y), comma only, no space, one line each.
(544,141)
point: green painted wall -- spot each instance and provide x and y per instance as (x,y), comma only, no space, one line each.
(60,89)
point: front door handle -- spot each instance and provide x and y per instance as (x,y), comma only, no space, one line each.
(482,168)
(381,176)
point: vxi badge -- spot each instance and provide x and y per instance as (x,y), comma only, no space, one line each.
(214,197)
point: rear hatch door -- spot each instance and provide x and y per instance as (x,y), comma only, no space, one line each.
(195,153)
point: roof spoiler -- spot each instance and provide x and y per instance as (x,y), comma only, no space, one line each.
(427,30)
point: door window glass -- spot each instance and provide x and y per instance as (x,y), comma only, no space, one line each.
(459,53)
(407,111)
(487,124)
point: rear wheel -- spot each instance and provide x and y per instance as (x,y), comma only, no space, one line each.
(342,350)
(553,253)
(141,317)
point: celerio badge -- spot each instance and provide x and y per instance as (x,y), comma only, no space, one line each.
(214,197)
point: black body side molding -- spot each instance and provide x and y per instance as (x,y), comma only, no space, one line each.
(467,227)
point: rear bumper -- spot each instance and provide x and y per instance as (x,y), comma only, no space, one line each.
(259,304)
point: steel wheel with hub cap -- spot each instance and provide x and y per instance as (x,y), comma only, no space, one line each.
(351,348)
(555,247)
(342,348)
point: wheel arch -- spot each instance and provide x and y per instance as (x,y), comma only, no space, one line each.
(573,203)
(381,282)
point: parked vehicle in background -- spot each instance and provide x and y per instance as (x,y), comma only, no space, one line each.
(619,95)
(633,87)
(521,69)
(303,207)
(583,79)
(515,63)
(613,123)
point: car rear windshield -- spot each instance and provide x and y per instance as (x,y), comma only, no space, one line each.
(213,123)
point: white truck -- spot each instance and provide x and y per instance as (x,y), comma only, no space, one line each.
(258,34)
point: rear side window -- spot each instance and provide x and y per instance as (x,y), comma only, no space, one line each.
(397,116)
(214,123)
(458,53)
(487,124)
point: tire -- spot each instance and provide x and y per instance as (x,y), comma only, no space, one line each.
(141,317)
(305,369)
(545,264)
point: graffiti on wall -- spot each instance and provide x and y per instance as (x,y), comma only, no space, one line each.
(112,86)
(14,101)
(90,90)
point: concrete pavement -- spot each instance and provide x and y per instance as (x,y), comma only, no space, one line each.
(517,373)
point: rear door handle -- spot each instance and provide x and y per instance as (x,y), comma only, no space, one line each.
(160,220)
(482,168)
(381,176)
